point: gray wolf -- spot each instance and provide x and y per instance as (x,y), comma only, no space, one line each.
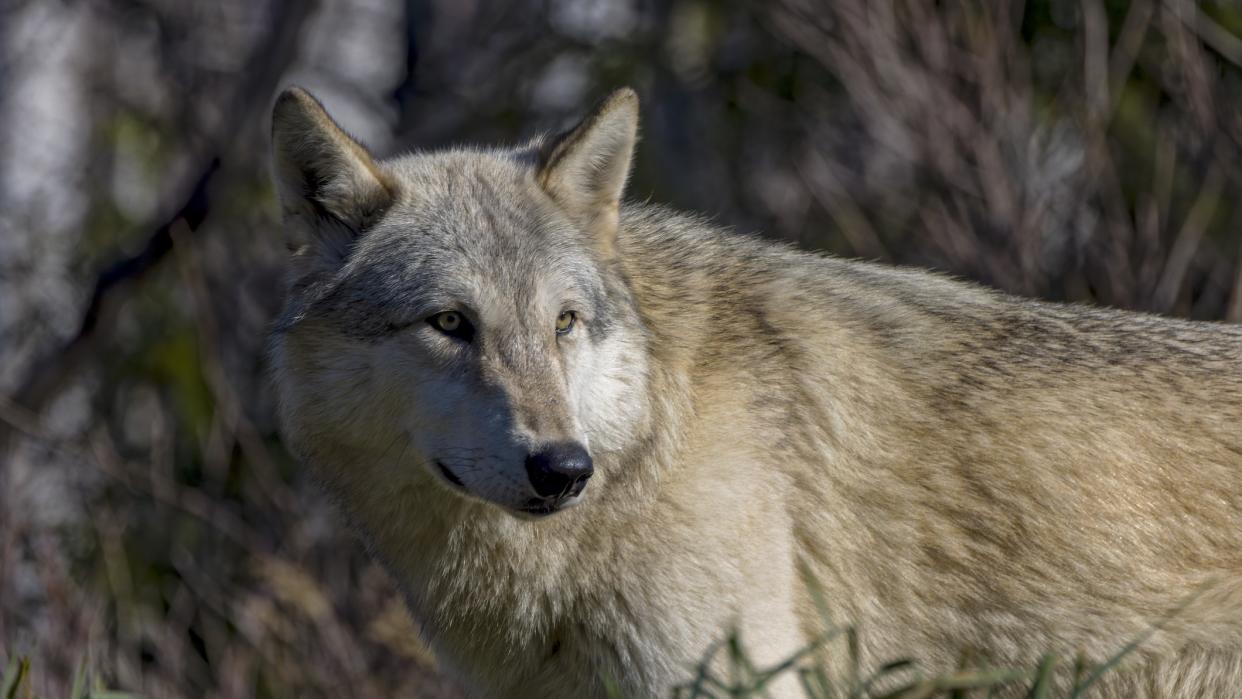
(588,436)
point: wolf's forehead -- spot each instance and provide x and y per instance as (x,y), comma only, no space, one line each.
(464,207)
(466,184)
(463,244)
(475,226)
(424,265)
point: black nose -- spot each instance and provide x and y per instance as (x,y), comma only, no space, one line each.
(559,469)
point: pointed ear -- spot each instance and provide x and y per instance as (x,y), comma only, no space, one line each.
(585,169)
(330,187)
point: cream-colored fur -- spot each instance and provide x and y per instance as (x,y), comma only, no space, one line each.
(963,472)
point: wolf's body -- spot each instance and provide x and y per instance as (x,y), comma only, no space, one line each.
(963,472)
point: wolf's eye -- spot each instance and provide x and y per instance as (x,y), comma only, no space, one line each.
(453,324)
(565,322)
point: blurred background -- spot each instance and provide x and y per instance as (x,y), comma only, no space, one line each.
(154,533)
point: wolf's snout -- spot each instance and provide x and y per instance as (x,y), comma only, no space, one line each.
(560,469)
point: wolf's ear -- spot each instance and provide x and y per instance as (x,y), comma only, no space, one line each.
(330,187)
(585,169)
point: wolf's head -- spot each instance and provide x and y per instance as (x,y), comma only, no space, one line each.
(456,317)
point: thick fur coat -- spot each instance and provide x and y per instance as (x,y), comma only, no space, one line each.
(962,473)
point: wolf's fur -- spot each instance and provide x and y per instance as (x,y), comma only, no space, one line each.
(962,471)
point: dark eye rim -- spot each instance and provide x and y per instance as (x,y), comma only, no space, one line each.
(464,330)
(573,322)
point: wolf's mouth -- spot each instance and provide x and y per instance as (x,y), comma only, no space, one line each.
(542,508)
(450,476)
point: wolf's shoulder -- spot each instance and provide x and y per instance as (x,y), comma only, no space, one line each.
(690,250)
(693,255)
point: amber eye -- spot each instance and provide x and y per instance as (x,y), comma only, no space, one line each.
(565,322)
(448,322)
(452,323)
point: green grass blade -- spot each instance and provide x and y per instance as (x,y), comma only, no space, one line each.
(1042,688)
(767,675)
(854,651)
(816,590)
(698,687)
(79,682)
(864,688)
(1132,645)
(14,674)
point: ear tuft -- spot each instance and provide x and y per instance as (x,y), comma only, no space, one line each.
(330,186)
(585,169)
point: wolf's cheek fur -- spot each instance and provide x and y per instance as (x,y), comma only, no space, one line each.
(314,370)
(448,419)
(607,383)
(399,412)
(471,434)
